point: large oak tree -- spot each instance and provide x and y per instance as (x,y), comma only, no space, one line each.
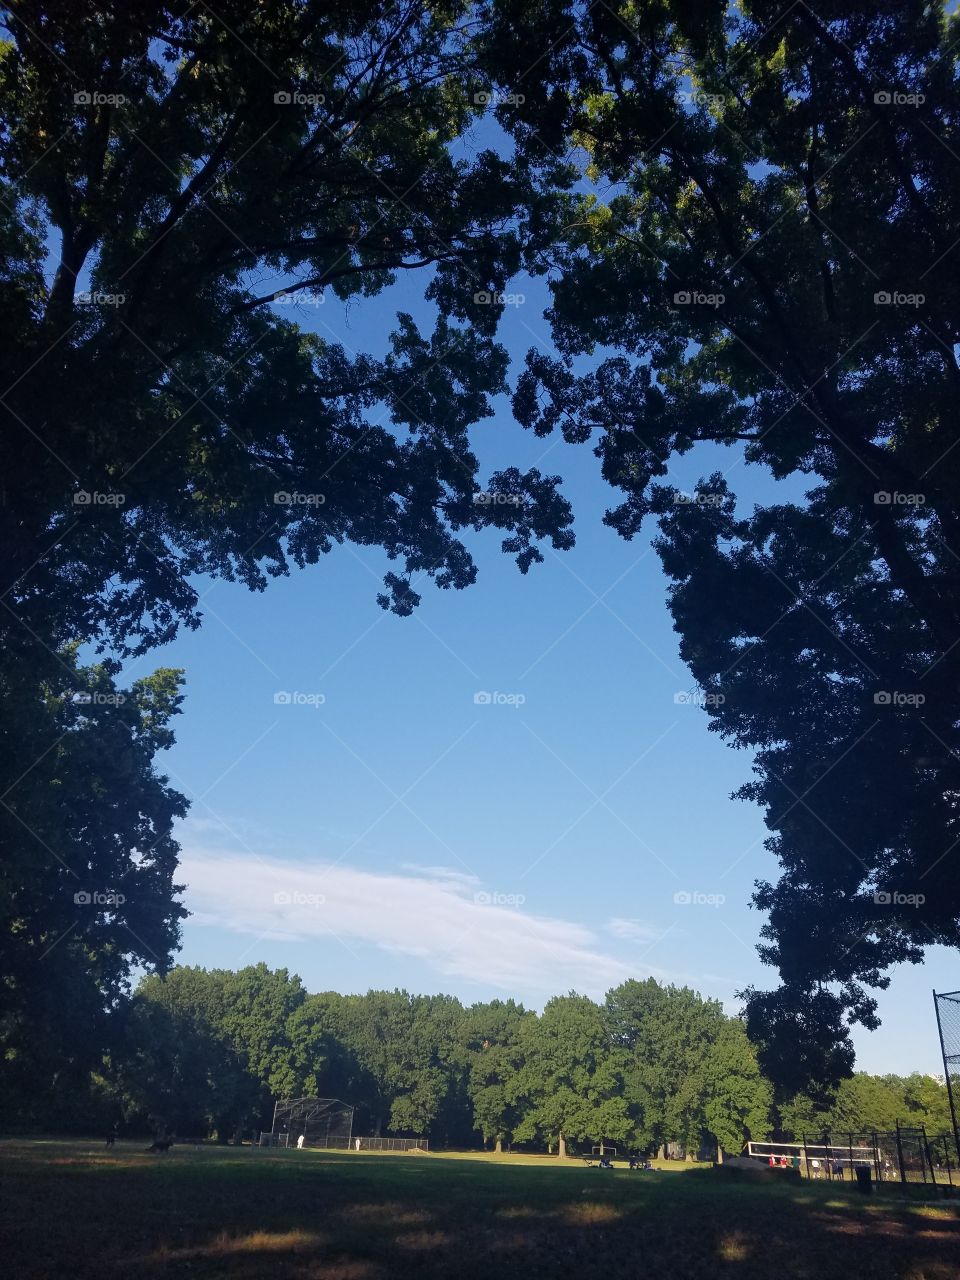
(767,231)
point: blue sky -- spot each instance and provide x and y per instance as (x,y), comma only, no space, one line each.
(382,828)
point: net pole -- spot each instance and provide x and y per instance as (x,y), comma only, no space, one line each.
(946,1075)
(903,1172)
(850,1137)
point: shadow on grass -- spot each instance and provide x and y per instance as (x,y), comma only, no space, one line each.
(238,1214)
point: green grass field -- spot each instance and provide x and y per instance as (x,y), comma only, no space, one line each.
(71,1209)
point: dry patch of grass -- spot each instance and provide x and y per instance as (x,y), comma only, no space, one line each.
(736,1247)
(391,1213)
(588,1213)
(252,1242)
(424,1240)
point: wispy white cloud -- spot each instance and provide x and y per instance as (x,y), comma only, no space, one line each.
(440,873)
(428,913)
(633,930)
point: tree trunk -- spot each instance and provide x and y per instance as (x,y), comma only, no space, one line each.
(498,1146)
(562,1148)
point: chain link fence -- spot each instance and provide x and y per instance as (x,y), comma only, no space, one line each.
(947,1005)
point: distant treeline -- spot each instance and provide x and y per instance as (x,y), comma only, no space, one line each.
(206,1052)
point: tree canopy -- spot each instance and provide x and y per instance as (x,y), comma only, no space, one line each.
(208,1052)
(188,167)
(171,176)
(89,867)
(766,235)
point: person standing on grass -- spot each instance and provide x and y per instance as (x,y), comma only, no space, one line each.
(300,1142)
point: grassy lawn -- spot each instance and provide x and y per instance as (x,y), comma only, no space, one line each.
(73,1209)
